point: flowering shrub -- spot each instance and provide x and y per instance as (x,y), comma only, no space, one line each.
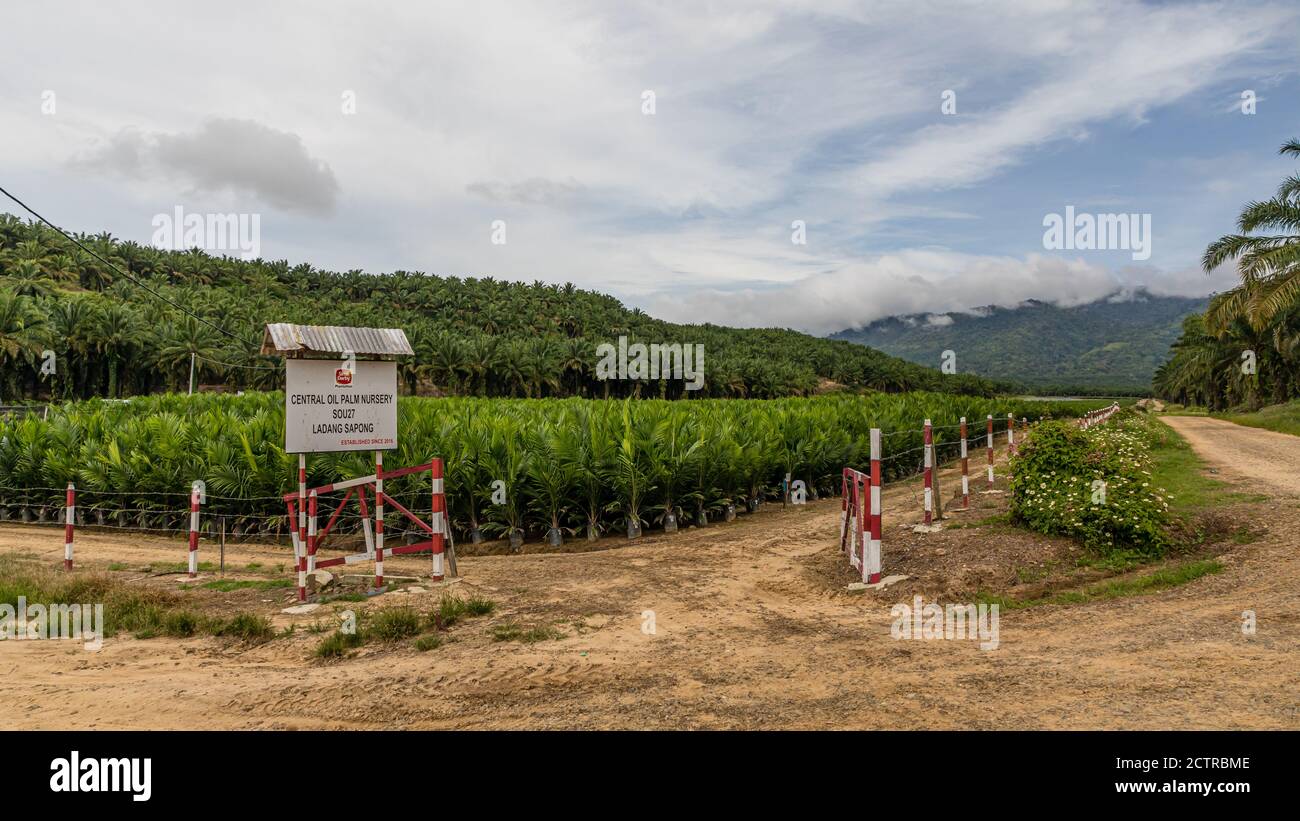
(1093,485)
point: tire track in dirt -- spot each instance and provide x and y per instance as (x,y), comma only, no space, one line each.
(745,639)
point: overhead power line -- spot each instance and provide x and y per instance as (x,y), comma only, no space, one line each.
(126,274)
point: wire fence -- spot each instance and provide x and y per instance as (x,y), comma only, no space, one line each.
(41,410)
(265,518)
(147,512)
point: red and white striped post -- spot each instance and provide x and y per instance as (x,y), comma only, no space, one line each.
(1011,434)
(379,518)
(439,519)
(194,532)
(300,546)
(70,506)
(929,472)
(311,532)
(965,468)
(871,560)
(990,444)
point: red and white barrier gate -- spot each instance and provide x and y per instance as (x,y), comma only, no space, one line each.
(307,540)
(860,520)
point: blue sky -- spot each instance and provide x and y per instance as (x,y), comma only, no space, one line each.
(765,113)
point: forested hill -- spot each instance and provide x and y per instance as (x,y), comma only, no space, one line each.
(473,335)
(1113,344)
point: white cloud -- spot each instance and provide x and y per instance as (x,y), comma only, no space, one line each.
(530,112)
(224,155)
(922,282)
(1137,58)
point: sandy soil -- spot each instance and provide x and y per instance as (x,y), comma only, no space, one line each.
(754,629)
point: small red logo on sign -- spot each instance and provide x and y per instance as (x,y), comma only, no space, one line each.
(342,377)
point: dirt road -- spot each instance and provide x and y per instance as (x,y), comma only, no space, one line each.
(1263,456)
(748,633)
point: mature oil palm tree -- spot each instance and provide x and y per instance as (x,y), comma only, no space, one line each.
(542,365)
(120,333)
(63,268)
(74,324)
(22,329)
(1268,263)
(1195,372)
(481,358)
(575,358)
(514,369)
(447,359)
(27,278)
(183,338)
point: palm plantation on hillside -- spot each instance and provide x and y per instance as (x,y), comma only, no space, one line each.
(472,336)
(1245,350)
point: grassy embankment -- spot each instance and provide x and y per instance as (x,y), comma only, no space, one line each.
(1190,523)
(1284,418)
(145,612)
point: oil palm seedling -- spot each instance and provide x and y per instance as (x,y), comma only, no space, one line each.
(508,460)
(671,453)
(551,464)
(549,479)
(632,471)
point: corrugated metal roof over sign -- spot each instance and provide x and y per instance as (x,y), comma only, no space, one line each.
(292,340)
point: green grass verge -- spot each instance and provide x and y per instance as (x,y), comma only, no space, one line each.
(338,644)
(227,585)
(1177,468)
(142,611)
(180,567)
(511,631)
(430,642)
(246,626)
(1284,418)
(1163,578)
(342,597)
(394,623)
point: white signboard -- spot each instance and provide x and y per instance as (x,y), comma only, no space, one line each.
(330,405)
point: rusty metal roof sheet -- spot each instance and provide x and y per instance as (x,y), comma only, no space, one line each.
(291,340)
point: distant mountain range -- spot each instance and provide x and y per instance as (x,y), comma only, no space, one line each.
(1113,344)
